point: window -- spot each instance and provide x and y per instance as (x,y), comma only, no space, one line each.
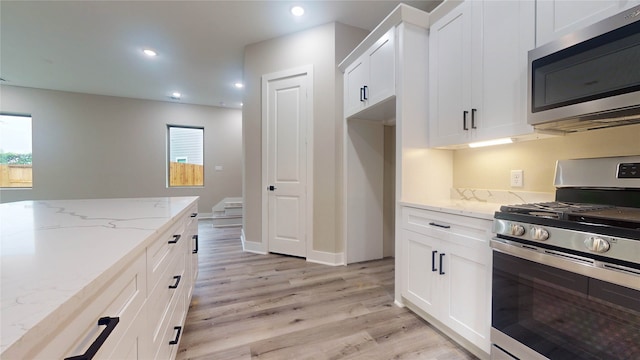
(15,151)
(186,156)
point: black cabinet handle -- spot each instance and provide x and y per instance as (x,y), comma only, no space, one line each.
(433,260)
(441,256)
(473,118)
(361,94)
(464,120)
(175,239)
(177,278)
(194,214)
(110,323)
(177,338)
(365,91)
(438,225)
(195,250)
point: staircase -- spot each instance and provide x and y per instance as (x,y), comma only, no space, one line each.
(227,212)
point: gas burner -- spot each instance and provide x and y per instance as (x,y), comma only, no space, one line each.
(554,209)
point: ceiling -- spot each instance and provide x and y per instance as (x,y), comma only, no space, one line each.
(96,47)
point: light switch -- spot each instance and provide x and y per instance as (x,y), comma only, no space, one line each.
(218,167)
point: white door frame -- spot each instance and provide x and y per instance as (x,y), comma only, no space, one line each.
(303,70)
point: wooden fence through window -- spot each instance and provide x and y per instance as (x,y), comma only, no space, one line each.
(181,174)
(16,176)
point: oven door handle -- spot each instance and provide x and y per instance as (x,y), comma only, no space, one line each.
(612,273)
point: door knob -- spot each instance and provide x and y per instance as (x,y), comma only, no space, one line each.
(271,188)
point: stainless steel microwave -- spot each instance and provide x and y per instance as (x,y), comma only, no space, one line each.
(589,79)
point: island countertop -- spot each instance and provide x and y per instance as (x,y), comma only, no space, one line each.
(55,252)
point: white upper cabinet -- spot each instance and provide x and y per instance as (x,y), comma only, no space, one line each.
(450,77)
(477,72)
(556,18)
(371,78)
(499,85)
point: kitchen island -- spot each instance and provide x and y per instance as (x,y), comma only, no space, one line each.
(66,263)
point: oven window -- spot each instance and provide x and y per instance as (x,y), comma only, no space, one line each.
(563,315)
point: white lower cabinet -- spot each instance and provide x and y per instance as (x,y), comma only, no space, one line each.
(446,260)
(149,298)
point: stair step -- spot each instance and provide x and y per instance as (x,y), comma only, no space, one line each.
(233,211)
(226,220)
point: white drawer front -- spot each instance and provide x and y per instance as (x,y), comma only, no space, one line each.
(449,227)
(122,298)
(159,253)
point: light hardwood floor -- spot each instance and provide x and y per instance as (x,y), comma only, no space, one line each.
(248,306)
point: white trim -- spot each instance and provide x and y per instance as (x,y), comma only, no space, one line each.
(325,258)
(303,70)
(251,246)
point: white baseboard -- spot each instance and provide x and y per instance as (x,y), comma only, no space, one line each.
(319,257)
(252,247)
(326,258)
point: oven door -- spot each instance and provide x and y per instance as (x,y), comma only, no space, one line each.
(541,311)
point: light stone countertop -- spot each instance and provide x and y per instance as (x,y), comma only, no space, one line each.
(480,203)
(475,209)
(55,253)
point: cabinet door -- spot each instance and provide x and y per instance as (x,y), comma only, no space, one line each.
(450,77)
(381,58)
(468,284)
(355,77)
(421,256)
(504,33)
(556,18)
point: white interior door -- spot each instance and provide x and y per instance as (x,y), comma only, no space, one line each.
(285,109)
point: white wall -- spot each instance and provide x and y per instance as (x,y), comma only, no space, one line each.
(92,146)
(323,47)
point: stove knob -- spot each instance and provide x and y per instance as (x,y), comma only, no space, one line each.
(538,233)
(516,230)
(597,244)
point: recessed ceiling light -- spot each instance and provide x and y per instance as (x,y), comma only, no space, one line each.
(239,85)
(149,52)
(176,95)
(297,11)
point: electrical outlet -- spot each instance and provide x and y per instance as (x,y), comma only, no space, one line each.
(517,178)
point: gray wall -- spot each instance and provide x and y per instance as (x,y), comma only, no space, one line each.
(92,146)
(323,47)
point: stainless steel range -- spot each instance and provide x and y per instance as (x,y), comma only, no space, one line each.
(566,274)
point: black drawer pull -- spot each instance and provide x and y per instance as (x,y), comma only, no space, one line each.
(441,256)
(110,323)
(177,278)
(473,118)
(433,260)
(439,225)
(194,214)
(195,250)
(175,239)
(177,338)
(464,120)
